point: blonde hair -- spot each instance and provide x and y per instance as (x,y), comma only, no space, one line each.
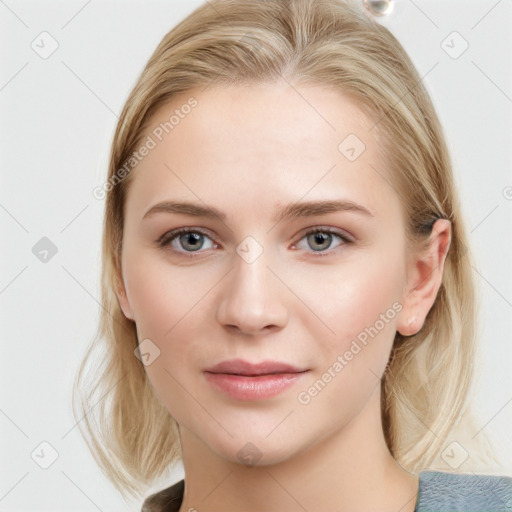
(329,42)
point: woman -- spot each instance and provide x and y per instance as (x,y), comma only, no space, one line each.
(289,305)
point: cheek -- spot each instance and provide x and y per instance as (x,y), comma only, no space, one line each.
(357,304)
(164,295)
(169,303)
(352,296)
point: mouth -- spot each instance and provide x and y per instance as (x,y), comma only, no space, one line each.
(244,368)
(246,381)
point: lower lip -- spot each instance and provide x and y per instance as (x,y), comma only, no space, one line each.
(252,388)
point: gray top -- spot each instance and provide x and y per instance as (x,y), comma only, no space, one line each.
(450,492)
(438,492)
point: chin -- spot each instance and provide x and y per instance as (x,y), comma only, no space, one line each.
(253,451)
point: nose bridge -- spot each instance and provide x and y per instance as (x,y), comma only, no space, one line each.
(252,299)
(251,270)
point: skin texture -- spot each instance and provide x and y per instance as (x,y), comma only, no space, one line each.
(249,150)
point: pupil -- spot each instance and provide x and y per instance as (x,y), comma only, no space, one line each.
(193,238)
(322,238)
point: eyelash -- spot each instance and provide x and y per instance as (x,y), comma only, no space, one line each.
(168,237)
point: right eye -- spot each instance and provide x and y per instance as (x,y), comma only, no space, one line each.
(184,240)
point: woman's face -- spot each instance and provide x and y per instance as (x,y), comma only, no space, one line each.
(254,284)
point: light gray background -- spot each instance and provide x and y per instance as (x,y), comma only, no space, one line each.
(57,119)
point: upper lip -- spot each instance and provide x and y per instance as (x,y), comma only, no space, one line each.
(241,367)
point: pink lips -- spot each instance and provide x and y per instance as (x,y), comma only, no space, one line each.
(246,381)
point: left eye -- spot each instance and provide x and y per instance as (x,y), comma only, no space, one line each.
(192,240)
(323,237)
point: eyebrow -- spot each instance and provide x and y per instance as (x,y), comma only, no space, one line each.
(289,212)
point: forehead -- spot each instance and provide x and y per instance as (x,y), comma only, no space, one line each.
(277,113)
(241,140)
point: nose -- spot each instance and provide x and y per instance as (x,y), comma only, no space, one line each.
(252,300)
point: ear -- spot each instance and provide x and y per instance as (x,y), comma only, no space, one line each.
(424,277)
(123,299)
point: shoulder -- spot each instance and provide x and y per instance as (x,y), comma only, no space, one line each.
(438,492)
(167,500)
(456,492)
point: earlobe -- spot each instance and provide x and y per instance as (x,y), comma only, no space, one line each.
(123,302)
(409,328)
(424,280)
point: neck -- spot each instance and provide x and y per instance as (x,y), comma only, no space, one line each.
(348,470)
